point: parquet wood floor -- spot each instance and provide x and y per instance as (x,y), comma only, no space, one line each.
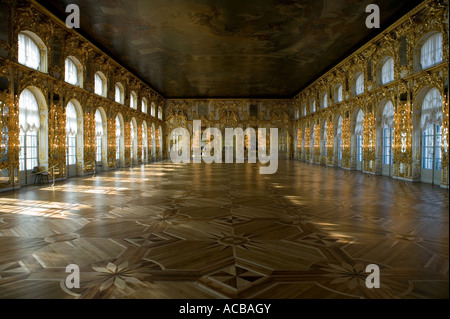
(168,230)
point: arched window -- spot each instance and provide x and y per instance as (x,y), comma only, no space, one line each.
(359,129)
(431,123)
(32,51)
(144,105)
(133,100)
(304,110)
(71,134)
(100,84)
(160,115)
(73,71)
(387,125)
(324,100)
(431,51)
(153,110)
(313,106)
(387,71)
(338,94)
(119,95)
(297,114)
(29,124)
(359,84)
(98,136)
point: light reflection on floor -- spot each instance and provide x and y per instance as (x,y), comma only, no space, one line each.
(225,231)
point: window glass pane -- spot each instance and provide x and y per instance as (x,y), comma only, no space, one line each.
(431,112)
(98,123)
(98,83)
(118,95)
(29,53)
(359,156)
(431,51)
(360,84)
(339,149)
(71,72)
(98,152)
(427,148)
(133,101)
(28,112)
(339,94)
(387,71)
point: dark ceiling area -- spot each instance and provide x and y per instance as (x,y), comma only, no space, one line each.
(229,48)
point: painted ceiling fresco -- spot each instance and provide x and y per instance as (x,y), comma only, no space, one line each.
(229,48)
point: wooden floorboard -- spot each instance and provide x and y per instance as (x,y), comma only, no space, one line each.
(175,231)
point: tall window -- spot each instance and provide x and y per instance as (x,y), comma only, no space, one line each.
(29,124)
(144,105)
(339,96)
(387,71)
(160,115)
(133,132)
(153,136)
(118,135)
(313,106)
(144,143)
(304,110)
(339,138)
(71,133)
(325,101)
(359,133)
(133,100)
(387,123)
(119,96)
(71,72)
(431,123)
(431,51)
(99,84)
(359,84)
(153,110)
(29,53)
(432,137)
(98,136)
(324,138)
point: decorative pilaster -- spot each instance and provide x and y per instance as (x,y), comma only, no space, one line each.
(369,139)
(403,131)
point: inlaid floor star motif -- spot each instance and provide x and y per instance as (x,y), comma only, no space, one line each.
(171,233)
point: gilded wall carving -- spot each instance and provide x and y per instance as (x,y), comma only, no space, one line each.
(57,43)
(402,42)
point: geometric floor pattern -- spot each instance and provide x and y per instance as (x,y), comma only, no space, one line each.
(188,231)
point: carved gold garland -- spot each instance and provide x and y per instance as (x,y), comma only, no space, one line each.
(403,130)
(111,142)
(407,79)
(57,140)
(345,143)
(445,137)
(316,143)
(330,142)
(89,142)
(369,139)
(9,134)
